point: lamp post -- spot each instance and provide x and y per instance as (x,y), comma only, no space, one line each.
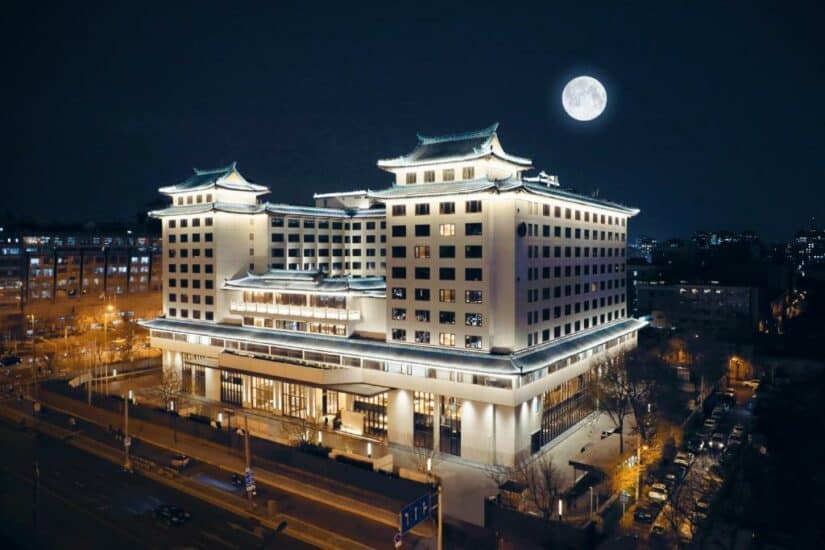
(229,413)
(127,441)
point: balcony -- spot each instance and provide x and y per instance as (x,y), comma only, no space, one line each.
(296,311)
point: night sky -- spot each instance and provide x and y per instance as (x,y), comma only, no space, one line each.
(715,116)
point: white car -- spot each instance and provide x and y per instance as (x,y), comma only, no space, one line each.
(658,491)
(684,459)
(752,384)
(717,441)
(180,461)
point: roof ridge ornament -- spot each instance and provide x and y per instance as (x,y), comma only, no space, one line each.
(484,132)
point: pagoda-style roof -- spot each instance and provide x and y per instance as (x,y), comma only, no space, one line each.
(227,177)
(455,148)
(203,208)
(307,281)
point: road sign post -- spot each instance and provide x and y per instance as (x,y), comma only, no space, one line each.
(397,540)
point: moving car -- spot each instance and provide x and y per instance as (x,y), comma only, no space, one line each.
(684,459)
(717,441)
(173,515)
(695,444)
(658,491)
(180,461)
(644,514)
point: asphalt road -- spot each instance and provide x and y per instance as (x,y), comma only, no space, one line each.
(84,501)
(356,527)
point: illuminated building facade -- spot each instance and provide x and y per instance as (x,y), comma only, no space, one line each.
(459,309)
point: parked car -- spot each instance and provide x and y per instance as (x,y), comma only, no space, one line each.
(710,424)
(738,429)
(718,414)
(238,480)
(714,474)
(607,433)
(752,384)
(173,515)
(695,444)
(180,461)
(735,439)
(684,459)
(658,491)
(644,514)
(717,441)
(676,473)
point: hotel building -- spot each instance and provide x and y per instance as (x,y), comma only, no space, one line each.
(459,309)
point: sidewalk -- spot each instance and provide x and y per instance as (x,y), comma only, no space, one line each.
(217,455)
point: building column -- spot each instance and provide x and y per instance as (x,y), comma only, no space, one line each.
(400,417)
(213,383)
(437,423)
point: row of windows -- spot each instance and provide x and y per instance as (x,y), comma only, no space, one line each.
(445,295)
(208,284)
(572,290)
(423,208)
(196,314)
(423,230)
(325,266)
(570,328)
(308,223)
(448,174)
(184,223)
(560,232)
(423,251)
(538,209)
(196,298)
(196,268)
(444,338)
(444,273)
(573,309)
(198,199)
(196,252)
(325,252)
(572,270)
(444,317)
(310,238)
(184,238)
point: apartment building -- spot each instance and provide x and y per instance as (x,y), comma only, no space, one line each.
(460,309)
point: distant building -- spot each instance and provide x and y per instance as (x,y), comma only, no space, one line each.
(59,266)
(807,249)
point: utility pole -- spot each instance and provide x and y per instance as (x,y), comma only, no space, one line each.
(440,519)
(127,463)
(638,463)
(249,488)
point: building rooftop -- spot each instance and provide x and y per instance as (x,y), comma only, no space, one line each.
(455,147)
(307,281)
(467,361)
(226,177)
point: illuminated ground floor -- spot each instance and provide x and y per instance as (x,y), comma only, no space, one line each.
(488,418)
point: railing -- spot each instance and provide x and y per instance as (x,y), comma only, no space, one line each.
(297,311)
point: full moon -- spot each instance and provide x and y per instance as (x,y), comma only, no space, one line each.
(584,98)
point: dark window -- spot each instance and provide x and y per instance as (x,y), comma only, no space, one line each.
(399,230)
(422,272)
(422,230)
(399,251)
(447,208)
(399,272)
(446,273)
(472,251)
(422,209)
(472,274)
(446,251)
(472,229)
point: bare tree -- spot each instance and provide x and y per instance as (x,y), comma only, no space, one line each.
(171,385)
(300,431)
(681,512)
(611,392)
(541,478)
(425,459)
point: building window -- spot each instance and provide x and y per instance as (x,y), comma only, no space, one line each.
(422,251)
(472,207)
(448,174)
(422,294)
(399,314)
(473,251)
(472,342)
(473,319)
(446,229)
(422,273)
(422,209)
(472,274)
(446,317)
(472,297)
(429,176)
(446,251)
(422,315)
(422,230)
(410,177)
(446,273)
(468,172)
(422,337)
(399,251)
(446,208)
(472,229)
(446,295)
(399,210)
(399,334)
(399,293)
(399,230)
(446,339)
(399,272)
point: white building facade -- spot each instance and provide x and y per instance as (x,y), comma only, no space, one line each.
(460,309)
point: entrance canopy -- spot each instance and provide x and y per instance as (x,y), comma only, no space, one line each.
(363,390)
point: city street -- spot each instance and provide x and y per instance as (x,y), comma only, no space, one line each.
(84,501)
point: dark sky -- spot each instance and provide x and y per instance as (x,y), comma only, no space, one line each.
(715,116)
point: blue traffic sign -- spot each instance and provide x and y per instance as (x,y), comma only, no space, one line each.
(249,478)
(415,512)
